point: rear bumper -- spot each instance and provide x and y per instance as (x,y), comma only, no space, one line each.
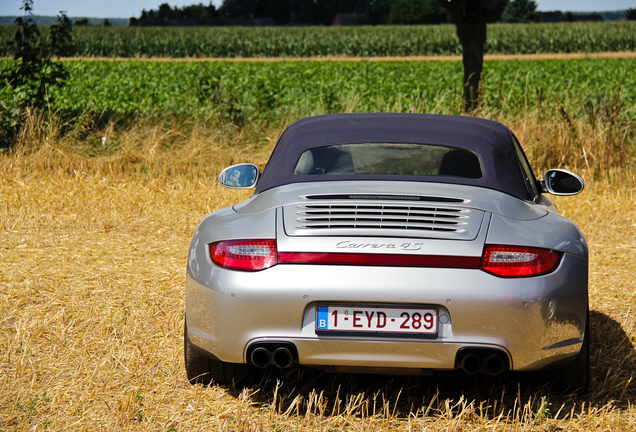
(534,321)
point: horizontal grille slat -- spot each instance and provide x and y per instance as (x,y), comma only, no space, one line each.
(348,197)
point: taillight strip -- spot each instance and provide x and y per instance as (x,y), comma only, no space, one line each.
(499,260)
(439,261)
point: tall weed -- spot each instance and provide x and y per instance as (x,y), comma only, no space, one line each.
(180,145)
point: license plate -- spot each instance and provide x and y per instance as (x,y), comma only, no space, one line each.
(381,320)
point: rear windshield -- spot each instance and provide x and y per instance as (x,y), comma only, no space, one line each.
(389,159)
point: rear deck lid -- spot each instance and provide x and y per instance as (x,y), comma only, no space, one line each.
(363,215)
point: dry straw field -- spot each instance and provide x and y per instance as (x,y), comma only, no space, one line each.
(93,253)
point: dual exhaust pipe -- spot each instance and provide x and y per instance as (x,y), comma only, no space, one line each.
(472,361)
(279,355)
(492,362)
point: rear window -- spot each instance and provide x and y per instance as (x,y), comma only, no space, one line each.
(389,159)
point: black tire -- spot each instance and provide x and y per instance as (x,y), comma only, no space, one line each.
(203,370)
(576,376)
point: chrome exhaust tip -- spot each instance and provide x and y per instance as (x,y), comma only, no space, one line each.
(261,357)
(494,364)
(471,364)
(282,357)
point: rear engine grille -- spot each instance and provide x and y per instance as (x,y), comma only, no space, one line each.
(347,216)
(382,215)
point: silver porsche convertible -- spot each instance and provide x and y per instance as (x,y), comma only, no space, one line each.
(391,243)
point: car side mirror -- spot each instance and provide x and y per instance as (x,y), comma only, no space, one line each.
(561,182)
(240,176)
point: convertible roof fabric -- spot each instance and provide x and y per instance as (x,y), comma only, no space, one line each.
(491,140)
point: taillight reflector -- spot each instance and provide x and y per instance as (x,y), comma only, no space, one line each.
(519,261)
(249,255)
(397,260)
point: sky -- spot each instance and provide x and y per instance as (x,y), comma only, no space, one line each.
(130,8)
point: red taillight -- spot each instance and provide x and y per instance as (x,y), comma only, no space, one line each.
(248,255)
(519,261)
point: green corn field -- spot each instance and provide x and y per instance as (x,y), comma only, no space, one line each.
(365,41)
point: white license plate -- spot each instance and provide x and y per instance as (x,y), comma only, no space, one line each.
(420,321)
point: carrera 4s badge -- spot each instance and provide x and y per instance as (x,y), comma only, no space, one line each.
(347,244)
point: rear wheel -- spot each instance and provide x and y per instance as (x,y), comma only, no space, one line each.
(576,376)
(201,369)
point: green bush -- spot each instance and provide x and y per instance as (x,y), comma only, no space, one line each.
(31,77)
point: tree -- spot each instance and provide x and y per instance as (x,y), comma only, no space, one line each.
(61,42)
(34,70)
(377,11)
(281,11)
(416,12)
(32,74)
(470,18)
(631,14)
(324,11)
(196,14)
(520,11)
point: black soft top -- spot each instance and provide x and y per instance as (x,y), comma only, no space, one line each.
(490,140)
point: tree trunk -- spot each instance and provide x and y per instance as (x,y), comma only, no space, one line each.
(473,59)
(470,18)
